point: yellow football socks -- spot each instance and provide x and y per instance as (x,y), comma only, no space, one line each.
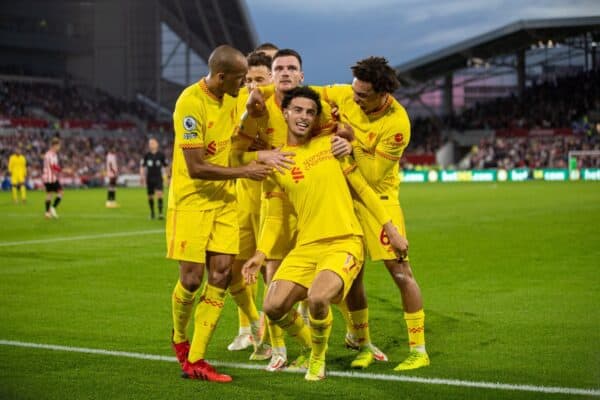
(14,194)
(293,324)
(268,327)
(415,323)
(346,315)
(242,295)
(320,329)
(182,304)
(360,326)
(23,193)
(275,334)
(208,311)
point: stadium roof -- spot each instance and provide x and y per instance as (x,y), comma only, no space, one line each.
(206,24)
(508,39)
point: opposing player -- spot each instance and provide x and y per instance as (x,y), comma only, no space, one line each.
(202,228)
(152,172)
(17,167)
(112,171)
(248,197)
(51,169)
(382,131)
(329,251)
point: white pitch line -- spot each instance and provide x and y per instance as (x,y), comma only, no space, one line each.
(83,237)
(343,374)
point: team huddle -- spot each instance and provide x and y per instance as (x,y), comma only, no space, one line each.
(299,183)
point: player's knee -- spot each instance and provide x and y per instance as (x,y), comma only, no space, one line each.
(274,309)
(191,281)
(220,277)
(318,302)
(401,272)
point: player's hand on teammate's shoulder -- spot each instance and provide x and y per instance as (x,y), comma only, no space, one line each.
(340,147)
(257,171)
(256,104)
(277,159)
(252,266)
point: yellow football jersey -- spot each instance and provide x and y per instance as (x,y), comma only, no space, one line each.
(272,130)
(381,137)
(201,120)
(17,166)
(317,190)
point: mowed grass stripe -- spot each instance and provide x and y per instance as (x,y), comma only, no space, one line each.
(82,237)
(344,374)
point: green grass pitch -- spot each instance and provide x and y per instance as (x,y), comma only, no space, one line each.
(509,274)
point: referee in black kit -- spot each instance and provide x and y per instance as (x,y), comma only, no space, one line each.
(152,170)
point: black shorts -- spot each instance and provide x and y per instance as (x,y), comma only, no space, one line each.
(53,187)
(154,185)
(112,181)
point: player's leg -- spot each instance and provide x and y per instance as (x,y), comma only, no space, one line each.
(57,200)
(273,333)
(336,270)
(159,200)
(182,305)
(278,306)
(412,299)
(210,303)
(355,311)
(327,286)
(48,199)
(186,238)
(111,194)
(208,311)
(222,245)
(14,189)
(24,192)
(242,295)
(414,315)
(150,189)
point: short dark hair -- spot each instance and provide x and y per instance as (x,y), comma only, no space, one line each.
(288,52)
(266,46)
(257,59)
(54,141)
(302,91)
(378,73)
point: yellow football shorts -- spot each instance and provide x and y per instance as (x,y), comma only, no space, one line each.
(17,179)
(190,234)
(343,256)
(378,244)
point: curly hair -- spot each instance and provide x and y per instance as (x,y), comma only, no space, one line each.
(378,73)
(302,91)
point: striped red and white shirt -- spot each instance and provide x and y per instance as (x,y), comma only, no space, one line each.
(51,167)
(111,165)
